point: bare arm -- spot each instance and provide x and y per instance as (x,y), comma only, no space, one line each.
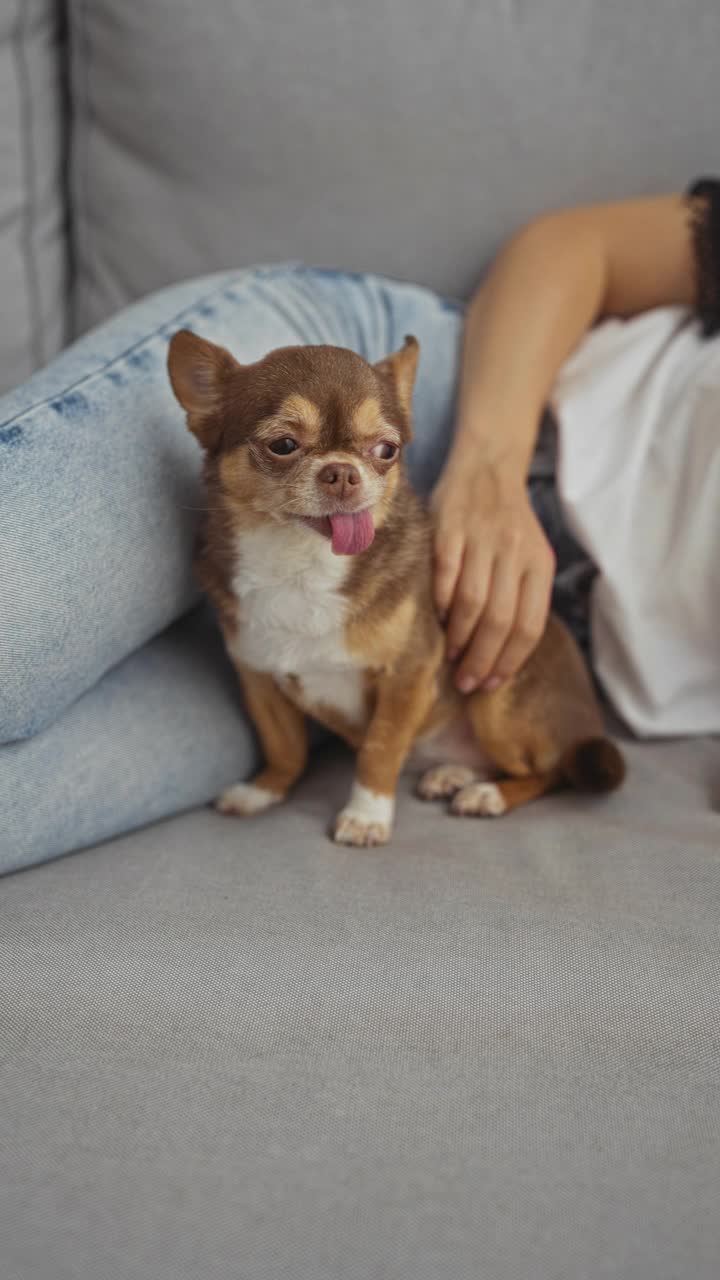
(548,286)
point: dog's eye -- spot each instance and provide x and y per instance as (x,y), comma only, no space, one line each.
(283,446)
(385,451)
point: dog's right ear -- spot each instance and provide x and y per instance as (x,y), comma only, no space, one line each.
(401,368)
(199,374)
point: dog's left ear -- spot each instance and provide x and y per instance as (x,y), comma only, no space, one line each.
(199,373)
(401,368)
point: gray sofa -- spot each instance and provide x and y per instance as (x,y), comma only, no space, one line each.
(490,1051)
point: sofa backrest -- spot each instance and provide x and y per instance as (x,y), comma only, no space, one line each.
(33,297)
(402,136)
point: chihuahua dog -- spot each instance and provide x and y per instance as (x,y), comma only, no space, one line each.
(317,557)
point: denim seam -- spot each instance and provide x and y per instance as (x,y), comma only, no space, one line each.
(37,347)
(147,337)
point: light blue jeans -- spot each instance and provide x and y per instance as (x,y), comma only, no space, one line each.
(117,706)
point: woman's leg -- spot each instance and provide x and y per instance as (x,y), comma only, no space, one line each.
(99,498)
(162,732)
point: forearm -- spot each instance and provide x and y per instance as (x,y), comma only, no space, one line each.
(540,296)
(494,568)
(547,287)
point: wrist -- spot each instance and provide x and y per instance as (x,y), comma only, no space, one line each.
(503,457)
(502,437)
(475,484)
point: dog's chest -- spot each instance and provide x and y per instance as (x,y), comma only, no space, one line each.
(293,615)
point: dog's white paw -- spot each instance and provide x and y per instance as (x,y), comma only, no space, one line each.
(479,800)
(444,780)
(355,829)
(366,819)
(244,799)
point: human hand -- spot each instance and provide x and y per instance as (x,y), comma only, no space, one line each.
(494,572)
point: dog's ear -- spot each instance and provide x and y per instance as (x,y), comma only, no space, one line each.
(199,374)
(401,368)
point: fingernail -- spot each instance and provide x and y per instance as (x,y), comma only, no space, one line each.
(467,684)
(492,684)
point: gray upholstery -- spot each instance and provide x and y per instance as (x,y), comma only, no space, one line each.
(33,249)
(489,1052)
(400,138)
(492,1051)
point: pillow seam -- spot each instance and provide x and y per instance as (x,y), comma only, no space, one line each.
(36,342)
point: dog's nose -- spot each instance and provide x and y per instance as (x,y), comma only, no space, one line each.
(339,478)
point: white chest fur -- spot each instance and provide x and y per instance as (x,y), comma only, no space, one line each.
(288,584)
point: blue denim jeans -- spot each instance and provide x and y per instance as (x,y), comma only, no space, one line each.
(116,704)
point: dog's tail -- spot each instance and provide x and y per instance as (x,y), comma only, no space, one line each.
(594,765)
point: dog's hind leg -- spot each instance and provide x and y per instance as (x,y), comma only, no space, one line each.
(492,799)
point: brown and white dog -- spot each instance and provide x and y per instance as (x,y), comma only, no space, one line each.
(317,557)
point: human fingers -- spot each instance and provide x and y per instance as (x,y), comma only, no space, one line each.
(494,623)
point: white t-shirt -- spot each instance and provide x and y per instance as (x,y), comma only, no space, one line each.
(638,412)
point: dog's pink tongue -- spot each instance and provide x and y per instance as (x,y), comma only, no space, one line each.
(351,533)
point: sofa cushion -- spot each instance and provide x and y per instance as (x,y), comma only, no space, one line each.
(32,215)
(405,138)
(487,1052)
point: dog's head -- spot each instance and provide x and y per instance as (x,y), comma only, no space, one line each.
(310,434)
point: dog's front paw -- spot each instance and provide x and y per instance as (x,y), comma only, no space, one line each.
(366,819)
(244,799)
(356,829)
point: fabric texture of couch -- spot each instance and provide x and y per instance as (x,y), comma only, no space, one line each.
(34,303)
(493,1050)
(406,139)
(489,1052)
